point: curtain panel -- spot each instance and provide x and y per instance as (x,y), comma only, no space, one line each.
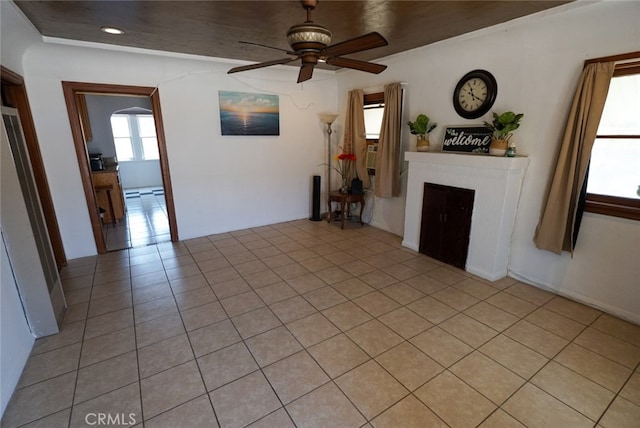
(555,230)
(355,138)
(387,178)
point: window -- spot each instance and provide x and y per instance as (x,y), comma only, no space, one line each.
(134,136)
(147,132)
(373,110)
(613,185)
(122,137)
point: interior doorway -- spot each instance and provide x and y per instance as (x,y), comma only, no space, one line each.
(96,192)
(125,168)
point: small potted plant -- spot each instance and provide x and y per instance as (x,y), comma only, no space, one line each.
(421,127)
(502,128)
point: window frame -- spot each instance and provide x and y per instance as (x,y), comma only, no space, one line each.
(135,137)
(615,206)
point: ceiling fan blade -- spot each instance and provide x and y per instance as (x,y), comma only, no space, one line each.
(306,71)
(369,67)
(261,65)
(267,46)
(357,44)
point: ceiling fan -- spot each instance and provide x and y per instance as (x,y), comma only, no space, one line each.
(309,42)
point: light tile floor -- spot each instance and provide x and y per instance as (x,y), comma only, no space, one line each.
(146,220)
(304,324)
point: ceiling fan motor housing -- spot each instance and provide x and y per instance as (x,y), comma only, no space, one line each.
(309,37)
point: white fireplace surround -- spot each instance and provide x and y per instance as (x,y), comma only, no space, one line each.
(497,182)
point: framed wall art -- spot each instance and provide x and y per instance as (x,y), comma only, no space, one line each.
(243,113)
(466,139)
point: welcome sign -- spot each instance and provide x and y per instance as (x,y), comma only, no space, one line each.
(466,139)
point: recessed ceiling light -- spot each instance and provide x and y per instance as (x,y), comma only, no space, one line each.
(112,30)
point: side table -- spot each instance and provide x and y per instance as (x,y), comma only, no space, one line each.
(345,199)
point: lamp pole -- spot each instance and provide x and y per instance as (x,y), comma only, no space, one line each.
(329,132)
(328,119)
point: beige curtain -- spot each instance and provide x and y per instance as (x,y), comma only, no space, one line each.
(387,178)
(355,138)
(556,225)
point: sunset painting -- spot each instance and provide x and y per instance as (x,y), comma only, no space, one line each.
(243,113)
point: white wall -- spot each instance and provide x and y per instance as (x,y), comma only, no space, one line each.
(140,174)
(536,61)
(17,35)
(219,183)
(16,339)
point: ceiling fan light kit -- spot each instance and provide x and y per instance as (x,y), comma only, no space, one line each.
(310,44)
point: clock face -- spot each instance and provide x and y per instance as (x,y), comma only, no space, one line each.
(475,94)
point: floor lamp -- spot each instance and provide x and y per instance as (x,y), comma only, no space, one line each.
(328,119)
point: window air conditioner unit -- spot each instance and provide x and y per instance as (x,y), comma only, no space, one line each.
(372,150)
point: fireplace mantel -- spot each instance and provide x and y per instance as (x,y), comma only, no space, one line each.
(497,182)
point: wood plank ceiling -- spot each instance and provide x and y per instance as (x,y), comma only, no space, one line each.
(213,28)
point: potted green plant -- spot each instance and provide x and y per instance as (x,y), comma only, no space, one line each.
(421,127)
(502,128)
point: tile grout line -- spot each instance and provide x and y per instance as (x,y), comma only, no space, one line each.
(84,332)
(617,394)
(135,341)
(186,333)
(304,349)
(317,311)
(370,358)
(243,341)
(528,381)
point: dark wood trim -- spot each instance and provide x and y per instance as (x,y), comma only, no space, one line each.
(617,136)
(70,90)
(164,164)
(10,77)
(375,98)
(15,93)
(626,69)
(619,57)
(81,102)
(613,206)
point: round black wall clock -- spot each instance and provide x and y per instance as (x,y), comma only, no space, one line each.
(475,93)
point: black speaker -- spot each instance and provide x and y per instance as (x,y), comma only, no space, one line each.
(315,215)
(356,186)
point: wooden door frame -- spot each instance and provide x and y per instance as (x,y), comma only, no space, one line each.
(14,90)
(71,89)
